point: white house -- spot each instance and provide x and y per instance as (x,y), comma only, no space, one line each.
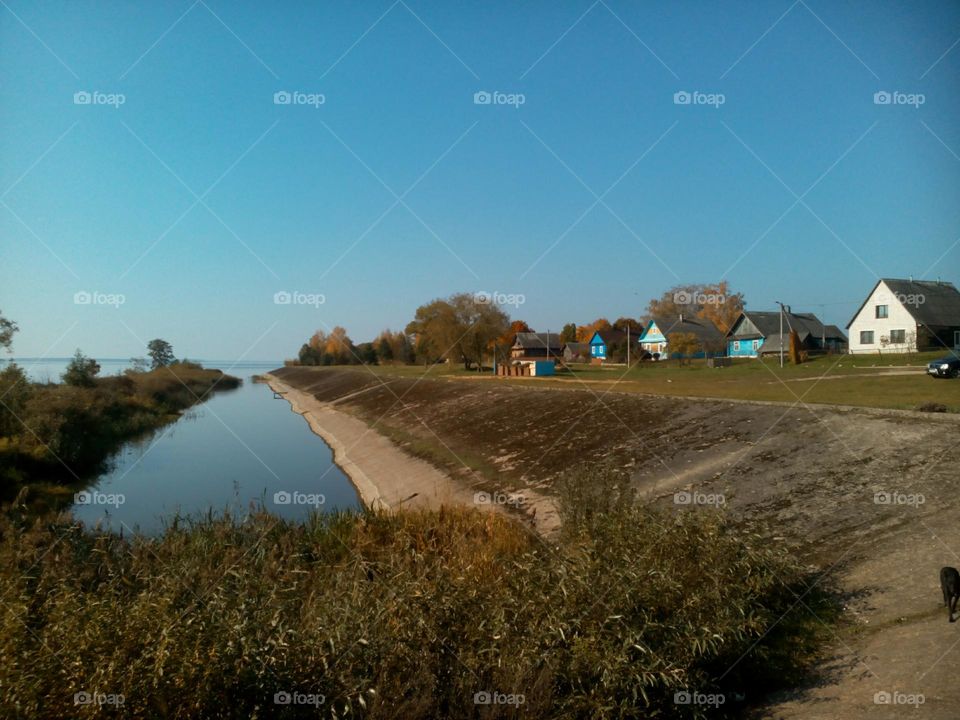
(907,316)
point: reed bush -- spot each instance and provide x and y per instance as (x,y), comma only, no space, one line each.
(407,615)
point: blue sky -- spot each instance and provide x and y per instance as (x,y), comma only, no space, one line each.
(198,198)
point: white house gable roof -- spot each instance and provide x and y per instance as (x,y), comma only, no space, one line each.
(931,303)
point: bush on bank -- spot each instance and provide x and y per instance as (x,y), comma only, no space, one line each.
(411,615)
(58,432)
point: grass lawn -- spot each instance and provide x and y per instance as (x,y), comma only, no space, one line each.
(891,381)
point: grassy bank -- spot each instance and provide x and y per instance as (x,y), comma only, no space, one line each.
(888,381)
(62,433)
(407,615)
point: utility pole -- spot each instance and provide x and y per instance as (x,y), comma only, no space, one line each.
(781,332)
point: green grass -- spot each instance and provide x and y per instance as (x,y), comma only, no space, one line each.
(406,615)
(857,380)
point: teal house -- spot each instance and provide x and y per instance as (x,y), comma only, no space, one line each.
(756,333)
(603,342)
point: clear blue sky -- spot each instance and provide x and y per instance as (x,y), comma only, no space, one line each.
(103,198)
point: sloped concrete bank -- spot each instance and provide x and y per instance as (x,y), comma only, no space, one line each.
(385,476)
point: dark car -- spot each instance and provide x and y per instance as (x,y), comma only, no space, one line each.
(948,367)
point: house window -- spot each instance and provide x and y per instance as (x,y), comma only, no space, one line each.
(756,344)
(736,345)
(866,337)
(881,312)
(898,337)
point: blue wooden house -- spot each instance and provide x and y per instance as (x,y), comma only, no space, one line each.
(602,342)
(656,336)
(756,333)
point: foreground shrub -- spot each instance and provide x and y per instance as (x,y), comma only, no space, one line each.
(400,616)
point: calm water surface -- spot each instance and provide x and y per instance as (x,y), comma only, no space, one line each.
(239,447)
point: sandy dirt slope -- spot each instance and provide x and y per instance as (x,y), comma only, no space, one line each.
(869,498)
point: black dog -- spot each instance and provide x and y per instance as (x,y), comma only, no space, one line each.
(950,584)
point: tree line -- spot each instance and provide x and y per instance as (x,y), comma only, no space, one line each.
(468,329)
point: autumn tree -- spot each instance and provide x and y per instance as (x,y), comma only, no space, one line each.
(622,323)
(723,307)
(713,302)
(340,347)
(503,343)
(569,333)
(585,332)
(393,347)
(459,328)
(384,349)
(685,344)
